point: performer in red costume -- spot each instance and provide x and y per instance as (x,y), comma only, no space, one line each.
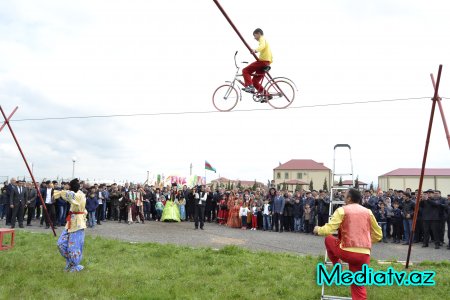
(357,230)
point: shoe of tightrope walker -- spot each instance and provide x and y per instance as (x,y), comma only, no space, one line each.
(249,89)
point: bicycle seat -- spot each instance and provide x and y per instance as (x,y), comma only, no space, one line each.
(267,68)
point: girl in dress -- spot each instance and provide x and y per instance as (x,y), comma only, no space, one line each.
(234,220)
(223,210)
(170,212)
(181,205)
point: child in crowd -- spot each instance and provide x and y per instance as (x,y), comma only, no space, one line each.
(181,202)
(254,216)
(307,215)
(381,216)
(397,223)
(267,212)
(389,211)
(91,207)
(139,209)
(298,214)
(223,211)
(243,211)
(159,207)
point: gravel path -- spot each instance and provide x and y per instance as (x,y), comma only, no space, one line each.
(216,236)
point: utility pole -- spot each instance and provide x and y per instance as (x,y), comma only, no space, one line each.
(74,159)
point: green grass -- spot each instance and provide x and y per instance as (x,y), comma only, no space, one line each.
(121,270)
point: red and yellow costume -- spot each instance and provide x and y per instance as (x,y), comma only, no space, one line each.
(357,230)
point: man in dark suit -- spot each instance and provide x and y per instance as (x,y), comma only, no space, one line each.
(430,214)
(31,202)
(442,215)
(9,189)
(17,201)
(448,221)
(49,199)
(200,203)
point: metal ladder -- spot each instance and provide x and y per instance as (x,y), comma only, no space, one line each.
(335,203)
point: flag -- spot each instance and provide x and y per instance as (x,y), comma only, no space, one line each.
(209,167)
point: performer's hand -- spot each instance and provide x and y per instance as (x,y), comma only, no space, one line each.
(316,230)
(11,206)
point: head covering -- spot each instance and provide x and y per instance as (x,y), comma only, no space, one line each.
(74,185)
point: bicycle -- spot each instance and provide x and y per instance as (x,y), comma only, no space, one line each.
(280,91)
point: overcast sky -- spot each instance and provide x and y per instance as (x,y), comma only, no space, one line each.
(75,58)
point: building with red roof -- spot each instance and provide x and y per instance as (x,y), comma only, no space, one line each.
(300,172)
(403,178)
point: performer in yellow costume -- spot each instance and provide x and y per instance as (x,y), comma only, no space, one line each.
(71,241)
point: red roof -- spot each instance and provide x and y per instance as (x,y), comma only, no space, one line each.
(416,172)
(235,181)
(296,181)
(350,182)
(302,164)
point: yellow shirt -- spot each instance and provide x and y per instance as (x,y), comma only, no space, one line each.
(265,54)
(77,204)
(335,222)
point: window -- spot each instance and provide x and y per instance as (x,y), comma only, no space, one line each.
(286,175)
(278,175)
(299,175)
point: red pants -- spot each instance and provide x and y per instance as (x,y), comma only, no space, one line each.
(354,260)
(254,221)
(258,67)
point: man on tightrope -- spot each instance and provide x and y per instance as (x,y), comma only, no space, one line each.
(258,67)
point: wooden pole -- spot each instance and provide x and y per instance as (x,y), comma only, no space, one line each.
(29,170)
(441,110)
(424,161)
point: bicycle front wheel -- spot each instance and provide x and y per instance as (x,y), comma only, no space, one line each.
(282,92)
(225,97)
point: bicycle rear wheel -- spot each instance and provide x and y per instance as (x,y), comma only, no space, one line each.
(282,92)
(225,97)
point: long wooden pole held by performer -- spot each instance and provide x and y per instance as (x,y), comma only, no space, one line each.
(235,29)
(424,161)
(28,168)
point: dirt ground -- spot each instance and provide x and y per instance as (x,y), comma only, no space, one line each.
(216,236)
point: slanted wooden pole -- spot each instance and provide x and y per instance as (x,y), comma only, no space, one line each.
(424,161)
(28,167)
